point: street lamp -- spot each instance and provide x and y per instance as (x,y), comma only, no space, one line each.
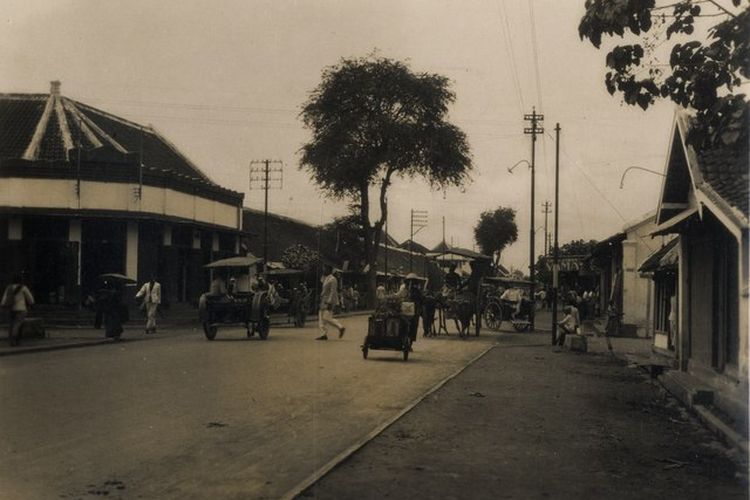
(510,170)
(636,167)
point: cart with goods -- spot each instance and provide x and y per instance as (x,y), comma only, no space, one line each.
(390,327)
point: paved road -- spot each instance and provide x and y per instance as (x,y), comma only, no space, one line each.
(182,417)
(528,422)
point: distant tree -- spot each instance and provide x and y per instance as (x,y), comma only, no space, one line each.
(578,247)
(300,257)
(703,74)
(373,120)
(495,230)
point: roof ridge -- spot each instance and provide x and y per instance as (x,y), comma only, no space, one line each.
(179,153)
(124,121)
(284,217)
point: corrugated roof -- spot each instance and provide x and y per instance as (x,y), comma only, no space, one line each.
(666,257)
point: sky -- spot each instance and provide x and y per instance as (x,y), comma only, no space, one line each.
(225,82)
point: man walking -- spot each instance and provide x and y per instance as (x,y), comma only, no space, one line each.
(151,293)
(17,298)
(329,298)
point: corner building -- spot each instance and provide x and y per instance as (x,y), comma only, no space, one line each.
(84,192)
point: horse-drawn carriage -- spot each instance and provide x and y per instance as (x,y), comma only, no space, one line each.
(249,309)
(507,299)
(463,307)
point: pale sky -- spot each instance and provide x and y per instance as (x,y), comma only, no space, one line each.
(224,81)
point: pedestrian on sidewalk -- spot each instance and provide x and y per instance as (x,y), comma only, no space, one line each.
(17,299)
(110,309)
(151,294)
(329,298)
(566,326)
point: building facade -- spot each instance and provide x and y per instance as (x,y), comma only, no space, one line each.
(704,200)
(84,192)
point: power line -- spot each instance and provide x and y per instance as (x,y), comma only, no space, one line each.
(508,40)
(535,53)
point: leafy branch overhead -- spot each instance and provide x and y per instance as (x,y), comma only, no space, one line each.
(703,74)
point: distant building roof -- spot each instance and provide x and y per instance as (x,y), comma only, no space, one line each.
(414,246)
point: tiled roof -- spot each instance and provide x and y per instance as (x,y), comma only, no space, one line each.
(68,123)
(19,115)
(726,171)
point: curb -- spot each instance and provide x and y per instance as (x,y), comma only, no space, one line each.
(719,428)
(59,347)
(95,342)
(351,450)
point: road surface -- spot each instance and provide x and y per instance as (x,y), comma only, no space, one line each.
(181,417)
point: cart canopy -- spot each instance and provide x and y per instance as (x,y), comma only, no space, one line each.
(242,261)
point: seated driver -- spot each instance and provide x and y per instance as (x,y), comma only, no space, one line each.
(513,295)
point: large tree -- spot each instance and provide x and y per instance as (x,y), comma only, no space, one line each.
(374,120)
(495,230)
(703,73)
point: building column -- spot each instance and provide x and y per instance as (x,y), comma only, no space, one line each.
(15,229)
(75,235)
(131,250)
(682,342)
(196,239)
(167,236)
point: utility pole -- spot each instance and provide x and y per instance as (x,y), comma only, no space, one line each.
(534,118)
(261,176)
(418,221)
(546,213)
(556,249)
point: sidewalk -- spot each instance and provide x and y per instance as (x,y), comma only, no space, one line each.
(68,338)
(530,421)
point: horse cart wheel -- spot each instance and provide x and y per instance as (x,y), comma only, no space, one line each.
(493,316)
(261,314)
(263,327)
(407,348)
(210,330)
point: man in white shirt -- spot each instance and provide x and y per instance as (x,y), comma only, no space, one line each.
(17,298)
(151,293)
(329,298)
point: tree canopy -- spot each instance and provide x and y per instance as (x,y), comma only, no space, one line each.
(702,73)
(495,230)
(373,120)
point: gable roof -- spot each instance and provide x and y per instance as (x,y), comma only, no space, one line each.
(717,177)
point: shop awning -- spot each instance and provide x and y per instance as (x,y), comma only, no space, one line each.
(242,261)
(667,257)
(674,224)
